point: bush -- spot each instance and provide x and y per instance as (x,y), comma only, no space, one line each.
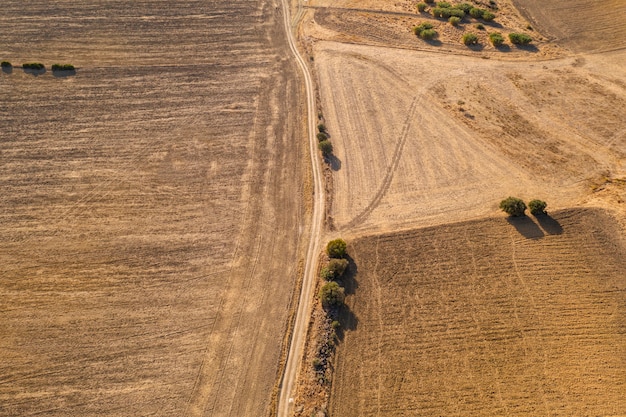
(520,38)
(466,7)
(496,39)
(480,26)
(33,66)
(326,147)
(443,4)
(454,21)
(457,13)
(332,294)
(6,64)
(470,39)
(488,16)
(425,31)
(321,127)
(476,13)
(441,12)
(513,206)
(421,7)
(336,248)
(325,274)
(64,67)
(321,136)
(429,34)
(337,267)
(537,207)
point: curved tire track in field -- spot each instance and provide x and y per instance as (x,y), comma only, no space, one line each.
(395,160)
(298,337)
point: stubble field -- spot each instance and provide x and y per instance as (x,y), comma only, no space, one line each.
(482,317)
(488,318)
(148,225)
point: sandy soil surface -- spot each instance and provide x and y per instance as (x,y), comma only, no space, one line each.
(422,139)
(434,133)
(152,207)
(488,318)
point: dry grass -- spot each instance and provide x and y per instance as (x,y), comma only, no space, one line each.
(488,318)
(148,224)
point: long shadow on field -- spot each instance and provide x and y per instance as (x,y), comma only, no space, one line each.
(334,162)
(7,70)
(526,227)
(529,48)
(549,224)
(34,72)
(348,280)
(64,73)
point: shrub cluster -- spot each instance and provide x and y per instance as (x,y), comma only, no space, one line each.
(537,207)
(332,296)
(496,38)
(425,31)
(34,66)
(520,38)
(421,7)
(63,67)
(515,207)
(454,21)
(6,64)
(324,144)
(470,39)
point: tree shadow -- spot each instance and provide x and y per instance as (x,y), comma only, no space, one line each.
(64,73)
(503,48)
(34,72)
(526,227)
(433,42)
(348,321)
(529,48)
(476,48)
(493,24)
(333,162)
(348,280)
(549,224)
(7,70)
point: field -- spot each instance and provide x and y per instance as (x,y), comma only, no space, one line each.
(152,207)
(458,312)
(486,318)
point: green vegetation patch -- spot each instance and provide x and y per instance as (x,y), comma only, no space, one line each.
(63,67)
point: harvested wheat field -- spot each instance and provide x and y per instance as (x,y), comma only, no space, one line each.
(148,224)
(488,318)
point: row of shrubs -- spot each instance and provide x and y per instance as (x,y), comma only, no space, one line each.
(332,296)
(425,31)
(516,207)
(446,10)
(323,142)
(37,66)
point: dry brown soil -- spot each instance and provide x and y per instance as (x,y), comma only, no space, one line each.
(426,135)
(487,317)
(152,207)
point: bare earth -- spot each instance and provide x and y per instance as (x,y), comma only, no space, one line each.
(487,318)
(482,317)
(152,207)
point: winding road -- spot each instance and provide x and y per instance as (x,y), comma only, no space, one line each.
(285,400)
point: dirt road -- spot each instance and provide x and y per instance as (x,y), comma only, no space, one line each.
(304,305)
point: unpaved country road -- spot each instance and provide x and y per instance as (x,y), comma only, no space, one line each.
(304,306)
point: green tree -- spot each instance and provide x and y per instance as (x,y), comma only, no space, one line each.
(513,206)
(326,147)
(336,248)
(496,38)
(337,267)
(537,207)
(520,38)
(470,39)
(332,294)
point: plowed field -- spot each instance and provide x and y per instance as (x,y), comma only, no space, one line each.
(487,318)
(150,216)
